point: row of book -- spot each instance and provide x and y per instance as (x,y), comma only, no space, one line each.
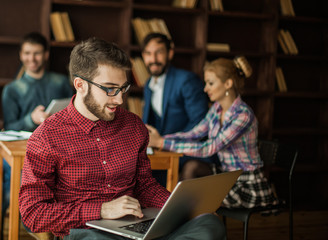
(61,27)
(142,27)
(287,42)
(286,6)
(216,5)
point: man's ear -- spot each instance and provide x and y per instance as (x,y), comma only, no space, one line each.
(79,85)
(171,54)
(46,55)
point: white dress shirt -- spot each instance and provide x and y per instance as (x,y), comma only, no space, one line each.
(156,85)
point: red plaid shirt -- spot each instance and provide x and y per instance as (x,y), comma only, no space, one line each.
(73,165)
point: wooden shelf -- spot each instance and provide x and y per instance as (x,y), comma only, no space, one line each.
(242,15)
(313,95)
(63,44)
(300,131)
(92,3)
(301,19)
(167,9)
(9,40)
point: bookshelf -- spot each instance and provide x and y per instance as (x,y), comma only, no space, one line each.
(300,114)
(250,27)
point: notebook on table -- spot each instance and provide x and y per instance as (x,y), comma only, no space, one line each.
(189,199)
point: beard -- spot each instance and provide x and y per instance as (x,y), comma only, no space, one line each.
(97,110)
(160,71)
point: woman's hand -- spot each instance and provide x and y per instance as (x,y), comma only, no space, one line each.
(155,139)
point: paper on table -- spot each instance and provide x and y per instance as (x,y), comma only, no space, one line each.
(11,135)
(150,151)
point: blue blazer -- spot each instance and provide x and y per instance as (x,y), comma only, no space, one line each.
(184,102)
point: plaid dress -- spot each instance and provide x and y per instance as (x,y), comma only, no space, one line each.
(235,143)
(251,190)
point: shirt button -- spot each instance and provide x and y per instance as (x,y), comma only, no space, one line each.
(104,162)
(109,185)
(98,139)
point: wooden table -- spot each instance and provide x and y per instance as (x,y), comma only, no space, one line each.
(168,161)
(14,153)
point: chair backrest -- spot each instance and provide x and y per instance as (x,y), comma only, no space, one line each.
(275,154)
(280,157)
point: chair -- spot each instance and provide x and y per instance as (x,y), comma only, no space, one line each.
(275,156)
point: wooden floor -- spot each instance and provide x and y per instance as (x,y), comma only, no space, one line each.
(308,225)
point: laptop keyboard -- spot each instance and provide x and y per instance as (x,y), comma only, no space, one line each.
(140,227)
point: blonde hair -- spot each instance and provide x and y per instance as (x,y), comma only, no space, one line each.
(237,70)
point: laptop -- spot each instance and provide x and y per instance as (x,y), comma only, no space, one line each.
(189,199)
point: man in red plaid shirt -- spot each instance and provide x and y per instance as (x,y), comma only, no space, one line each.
(89,160)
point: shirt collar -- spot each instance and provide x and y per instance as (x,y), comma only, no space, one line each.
(159,84)
(86,124)
(32,79)
(236,103)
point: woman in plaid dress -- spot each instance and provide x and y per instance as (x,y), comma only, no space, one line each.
(230,129)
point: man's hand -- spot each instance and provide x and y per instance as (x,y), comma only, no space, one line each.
(120,207)
(155,139)
(39,115)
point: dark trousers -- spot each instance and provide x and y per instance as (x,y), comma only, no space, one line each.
(204,227)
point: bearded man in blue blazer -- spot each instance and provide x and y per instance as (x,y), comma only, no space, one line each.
(174,98)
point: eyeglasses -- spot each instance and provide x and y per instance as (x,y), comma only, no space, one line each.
(111,91)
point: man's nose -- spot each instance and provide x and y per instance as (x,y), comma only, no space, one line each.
(118,99)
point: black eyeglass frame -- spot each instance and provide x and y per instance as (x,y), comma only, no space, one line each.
(106,89)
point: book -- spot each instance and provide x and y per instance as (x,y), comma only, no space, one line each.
(137,26)
(286,7)
(61,27)
(218,47)
(143,27)
(139,71)
(67,27)
(163,28)
(180,3)
(282,44)
(57,27)
(216,5)
(283,7)
(184,3)
(281,82)
(287,38)
(294,49)
(290,8)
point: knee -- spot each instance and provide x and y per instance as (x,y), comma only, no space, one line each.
(215,229)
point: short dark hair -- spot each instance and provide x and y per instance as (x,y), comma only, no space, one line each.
(162,38)
(35,38)
(89,54)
